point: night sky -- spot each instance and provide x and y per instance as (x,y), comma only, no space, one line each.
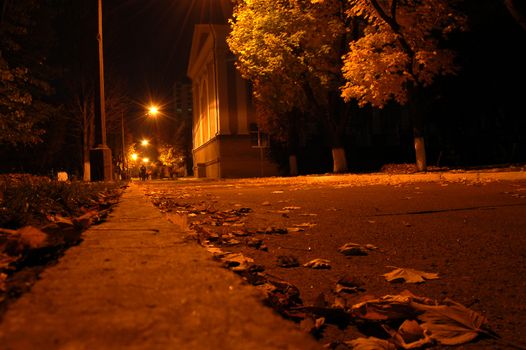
(147,43)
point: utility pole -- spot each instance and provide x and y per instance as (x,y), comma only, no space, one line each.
(100,156)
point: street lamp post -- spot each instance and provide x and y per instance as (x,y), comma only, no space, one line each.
(100,156)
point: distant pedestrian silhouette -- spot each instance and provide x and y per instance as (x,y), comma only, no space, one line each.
(142,172)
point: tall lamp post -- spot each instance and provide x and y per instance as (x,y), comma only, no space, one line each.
(100,156)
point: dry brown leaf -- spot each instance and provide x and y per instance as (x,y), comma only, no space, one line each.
(410,335)
(354,249)
(339,303)
(409,275)
(32,237)
(237,261)
(215,251)
(5,260)
(452,323)
(370,343)
(389,307)
(348,284)
(305,225)
(288,261)
(62,221)
(312,325)
(86,220)
(318,264)
(3,278)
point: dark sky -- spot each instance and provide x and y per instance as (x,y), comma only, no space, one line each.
(147,42)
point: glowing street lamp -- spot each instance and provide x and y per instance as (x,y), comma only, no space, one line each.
(145,160)
(134,156)
(145,143)
(153,111)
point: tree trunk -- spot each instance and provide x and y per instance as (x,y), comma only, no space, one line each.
(293,140)
(293,165)
(87,171)
(85,145)
(339,160)
(420,152)
(417,117)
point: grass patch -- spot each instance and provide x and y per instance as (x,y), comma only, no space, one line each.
(30,200)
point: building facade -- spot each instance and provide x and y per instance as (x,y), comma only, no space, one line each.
(226,139)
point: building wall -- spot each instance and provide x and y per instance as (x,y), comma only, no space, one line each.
(223,111)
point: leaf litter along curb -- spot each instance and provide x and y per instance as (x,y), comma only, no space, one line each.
(409,275)
(39,220)
(285,299)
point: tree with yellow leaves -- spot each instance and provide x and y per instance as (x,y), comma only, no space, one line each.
(324,56)
(398,53)
(291,51)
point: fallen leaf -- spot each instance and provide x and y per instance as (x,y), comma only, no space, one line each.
(6,260)
(31,237)
(370,343)
(389,307)
(282,296)
(353,249)
(266,204)
(236,261)
(230,242)
(291,208)
(318,264)
(339,303)
(276,192)
(410,335)
(240,233)
(348,285)
(305,225)
(451,323)
(257,244)
(409,275)
(312,325)
(288,261)
(295,229)
(215,251)
(3,278)
(411,331)
(86,220)
(62,221)
(273,230)
(334,315)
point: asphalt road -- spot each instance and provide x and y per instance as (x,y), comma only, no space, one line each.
(470,232)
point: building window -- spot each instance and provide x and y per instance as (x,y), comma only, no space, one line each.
(258,139)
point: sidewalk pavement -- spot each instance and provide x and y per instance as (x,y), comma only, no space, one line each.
(136,283)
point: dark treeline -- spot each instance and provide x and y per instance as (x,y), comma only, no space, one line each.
(49,57)
(474,118)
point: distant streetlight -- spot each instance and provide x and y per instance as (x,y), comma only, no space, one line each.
(153,111)
(134,156)
(145,160)
(145,143)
